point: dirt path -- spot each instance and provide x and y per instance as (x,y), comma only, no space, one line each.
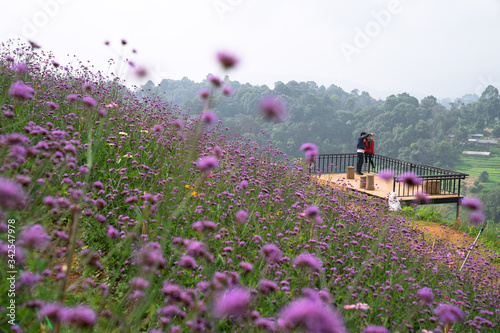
(436,232)
(448,234)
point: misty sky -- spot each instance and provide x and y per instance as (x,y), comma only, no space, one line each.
(445,48)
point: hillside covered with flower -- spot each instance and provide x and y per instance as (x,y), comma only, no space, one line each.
(121,213)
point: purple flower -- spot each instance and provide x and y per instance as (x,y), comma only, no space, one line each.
(218,152)
(69,148)
(33,236)
(422,197)
(272,108)
(313,213)
(170,311)
(232,302)
(50,201)
(311,152)
(375,329)
(87,87)
(12,195)
(53,106)
(449,313)
(386,174)
(227,60)
(34,45)
(312,316)
(21,91)
(271,253)
(266,324)
(51,311)
(241,216)
(204,93)
(227,91)
(246,266)
(472,203)
(309,261)
(188,262)
(410,178)
(138,283)
(13,139)
(89,101)
(112,232)
(208,163)
(101,218)
(267,286)
(72,97)
(28,278)
(81,315)
(426,295)
(476,218)
(308,146)
(214,80)
(157,129)
(208,117)
(20,68)
(198,249)
(98,185)
(151,256)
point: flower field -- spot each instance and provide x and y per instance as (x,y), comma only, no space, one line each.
(122,214)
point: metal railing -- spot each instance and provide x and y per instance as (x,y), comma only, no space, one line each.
(434,180)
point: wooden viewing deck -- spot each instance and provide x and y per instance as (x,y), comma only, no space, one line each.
(441,185)
(382,188)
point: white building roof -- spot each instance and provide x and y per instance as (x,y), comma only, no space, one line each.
(476,153)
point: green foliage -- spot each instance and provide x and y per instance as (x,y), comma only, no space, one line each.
(424,213)
(491,202)
(484,177)
(496,131)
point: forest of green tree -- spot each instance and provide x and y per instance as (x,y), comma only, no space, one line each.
(418,131)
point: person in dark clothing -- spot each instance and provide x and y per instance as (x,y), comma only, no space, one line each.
(369,152)
(361,151)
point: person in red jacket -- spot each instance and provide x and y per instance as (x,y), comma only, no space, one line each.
(369,152)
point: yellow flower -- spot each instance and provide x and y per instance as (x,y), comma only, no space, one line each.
(144,131)
(122,133)
(194,194)
(189,187)
(111,144)
(128,155)
(279,212)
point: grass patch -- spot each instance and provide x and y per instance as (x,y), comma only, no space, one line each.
(474,166)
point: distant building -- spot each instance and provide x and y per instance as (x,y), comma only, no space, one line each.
(483,142)
(476,153)
(475,135)
(487,142)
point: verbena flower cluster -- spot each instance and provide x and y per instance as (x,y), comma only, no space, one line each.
(131,216)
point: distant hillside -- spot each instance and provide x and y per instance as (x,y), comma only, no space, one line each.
(465,99)
(424,131)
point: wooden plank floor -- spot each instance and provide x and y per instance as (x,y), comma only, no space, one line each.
(382,187)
